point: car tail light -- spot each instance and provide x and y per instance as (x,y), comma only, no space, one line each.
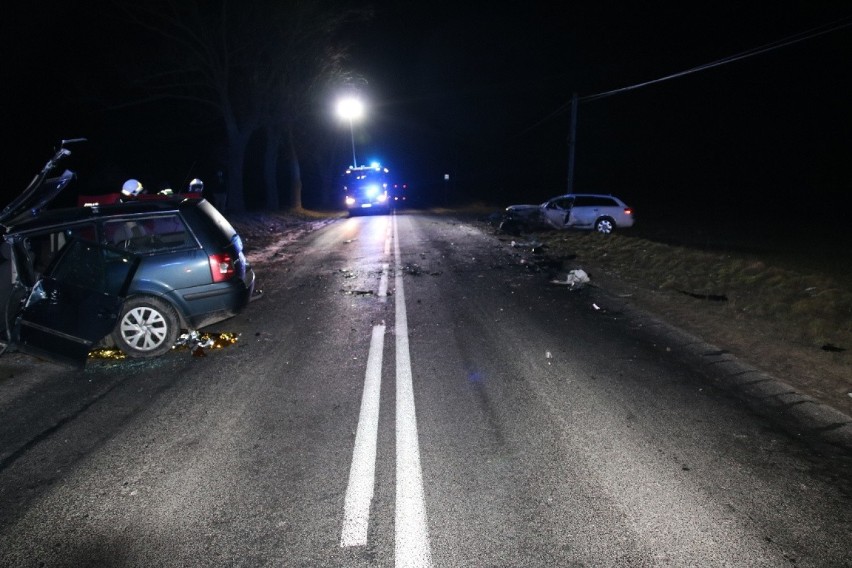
(222,267)
(628,211)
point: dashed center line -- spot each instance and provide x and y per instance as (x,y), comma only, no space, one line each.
(383,283)
(362,474)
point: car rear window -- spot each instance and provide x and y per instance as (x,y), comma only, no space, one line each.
(214,223)
(594,201)
(149,234)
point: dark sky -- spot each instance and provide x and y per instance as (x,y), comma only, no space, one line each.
(481,91)
(483,85)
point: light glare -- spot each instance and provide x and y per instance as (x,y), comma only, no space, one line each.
(350,108)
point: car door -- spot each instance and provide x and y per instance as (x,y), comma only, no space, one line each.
(557,210)
(585,211)
(76,302)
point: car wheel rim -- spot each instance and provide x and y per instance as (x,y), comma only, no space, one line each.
(144,329)
(605,227)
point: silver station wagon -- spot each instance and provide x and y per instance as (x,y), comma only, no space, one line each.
(590,211)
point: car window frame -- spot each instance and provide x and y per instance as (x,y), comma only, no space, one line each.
(149,240)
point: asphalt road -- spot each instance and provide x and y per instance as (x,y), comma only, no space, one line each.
(410,392)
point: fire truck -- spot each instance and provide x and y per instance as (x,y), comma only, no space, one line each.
(367,189)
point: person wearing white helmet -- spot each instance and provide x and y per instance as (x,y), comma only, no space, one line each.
(196,186)
(131,189)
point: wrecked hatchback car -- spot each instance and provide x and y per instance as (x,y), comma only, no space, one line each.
(589,211)
(129,275)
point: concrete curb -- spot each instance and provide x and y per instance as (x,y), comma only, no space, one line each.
(797,413)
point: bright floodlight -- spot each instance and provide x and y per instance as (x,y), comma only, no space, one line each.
(350,108)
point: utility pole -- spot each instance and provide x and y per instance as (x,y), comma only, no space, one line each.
(572,143)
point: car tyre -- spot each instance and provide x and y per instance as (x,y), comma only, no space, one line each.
(605,225)
(511,227)
(147,327)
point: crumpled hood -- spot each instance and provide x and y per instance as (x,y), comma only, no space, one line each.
(523,210)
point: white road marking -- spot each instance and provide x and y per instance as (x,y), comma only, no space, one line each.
(411,531)
(383,283)
(411,543)
(359,492)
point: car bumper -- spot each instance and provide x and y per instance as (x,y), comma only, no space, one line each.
(212,303)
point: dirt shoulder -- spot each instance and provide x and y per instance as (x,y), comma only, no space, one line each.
(786,313)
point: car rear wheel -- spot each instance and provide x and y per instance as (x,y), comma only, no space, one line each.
(605,225)
(147,327)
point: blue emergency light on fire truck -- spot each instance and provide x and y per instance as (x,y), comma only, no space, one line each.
(366,188)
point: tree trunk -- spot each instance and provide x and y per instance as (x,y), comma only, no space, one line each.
(236,156)
(330,175)
(270,168)
(295,193)
(237,144)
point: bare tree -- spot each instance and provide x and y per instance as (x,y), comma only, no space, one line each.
(309,58)
(255,65)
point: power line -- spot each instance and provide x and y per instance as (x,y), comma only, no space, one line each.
(789,40)
(802,36)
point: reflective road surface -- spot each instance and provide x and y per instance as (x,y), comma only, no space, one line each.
(410,391)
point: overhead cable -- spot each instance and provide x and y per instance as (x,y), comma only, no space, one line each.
(802,36)
(789,40)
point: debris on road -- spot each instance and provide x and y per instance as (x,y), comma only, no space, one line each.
(358,292)
(193,340)
(107,353)
(528,244)
(197,342)
(575,279)
(412,269)
(535,247)
(416,270)
(711,297)
(542,264)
